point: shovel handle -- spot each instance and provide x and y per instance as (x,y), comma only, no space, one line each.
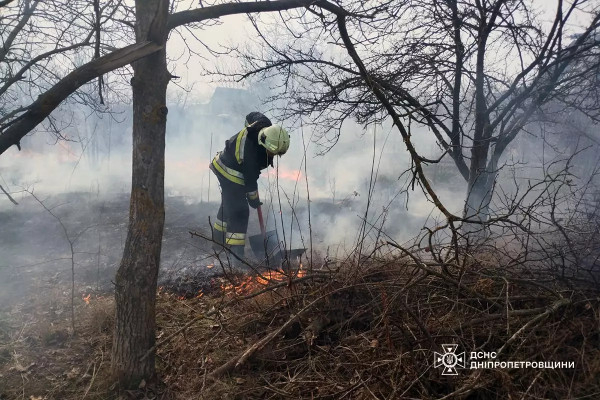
(261,222)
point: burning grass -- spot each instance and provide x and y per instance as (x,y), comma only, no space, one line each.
(358,331)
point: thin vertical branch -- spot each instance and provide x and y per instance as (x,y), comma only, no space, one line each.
(307,196)
(362,233)
(97,27)
(285,255)
(209,158)
(71,242)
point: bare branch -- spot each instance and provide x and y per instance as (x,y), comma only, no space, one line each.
(9,196)
(216,11)
(49,100)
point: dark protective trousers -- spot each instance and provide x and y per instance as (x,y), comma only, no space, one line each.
(232,219)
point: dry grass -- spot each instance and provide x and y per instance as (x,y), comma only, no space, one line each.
(357,332)
(44,360)
(372,333)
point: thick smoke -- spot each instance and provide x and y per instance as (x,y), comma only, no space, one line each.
(86,182)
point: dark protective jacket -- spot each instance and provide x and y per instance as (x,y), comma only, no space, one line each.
(243,158)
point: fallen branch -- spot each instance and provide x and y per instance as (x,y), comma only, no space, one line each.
(550,310)
(472,383)
(495,317)
(236,361)
(444,278)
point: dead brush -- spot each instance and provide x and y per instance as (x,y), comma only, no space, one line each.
(46,360)
(373,330)
(98,316)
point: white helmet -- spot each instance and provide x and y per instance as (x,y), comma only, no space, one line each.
(275,139)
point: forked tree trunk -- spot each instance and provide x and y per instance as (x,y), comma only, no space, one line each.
(135,290)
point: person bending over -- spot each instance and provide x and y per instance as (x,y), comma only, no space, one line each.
(237,168)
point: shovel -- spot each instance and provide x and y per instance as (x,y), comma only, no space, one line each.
(261,222)
(265,245)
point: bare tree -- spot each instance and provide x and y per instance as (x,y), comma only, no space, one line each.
(474,74)
(133,346)
(43,41)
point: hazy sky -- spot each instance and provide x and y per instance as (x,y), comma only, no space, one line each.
(235,30)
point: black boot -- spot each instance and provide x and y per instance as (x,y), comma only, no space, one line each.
(218,238)
(237,258)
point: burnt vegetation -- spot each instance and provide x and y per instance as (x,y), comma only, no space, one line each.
(510,100)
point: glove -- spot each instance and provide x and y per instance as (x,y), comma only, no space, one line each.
(253,199)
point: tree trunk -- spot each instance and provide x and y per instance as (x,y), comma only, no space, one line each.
(477,204)
(479,196)
(135,290)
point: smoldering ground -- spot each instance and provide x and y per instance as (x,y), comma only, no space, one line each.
(85,182)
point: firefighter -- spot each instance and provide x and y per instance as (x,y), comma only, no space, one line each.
(238,167)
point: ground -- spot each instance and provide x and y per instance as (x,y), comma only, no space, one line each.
(314,334)
(360,327)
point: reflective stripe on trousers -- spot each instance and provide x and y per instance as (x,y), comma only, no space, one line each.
(232,219)
(235,239)
(220,225)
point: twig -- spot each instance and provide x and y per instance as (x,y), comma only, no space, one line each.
(237,361)
(466,388)
(433,272)
(9,196)
(216,311)
(550,310)
(71,240)
(94,374)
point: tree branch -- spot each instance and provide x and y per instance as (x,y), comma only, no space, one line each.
(394,115)
(220,10)
(19,75)
(9,196)
(27,14)
(48,101)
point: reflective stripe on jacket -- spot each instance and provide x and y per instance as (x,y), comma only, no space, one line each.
(242,159)
(229,173)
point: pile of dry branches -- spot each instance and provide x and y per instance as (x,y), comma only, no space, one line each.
(370,328)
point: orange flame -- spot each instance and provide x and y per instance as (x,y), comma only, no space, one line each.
(252,283)
(87,298)
(287,174)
